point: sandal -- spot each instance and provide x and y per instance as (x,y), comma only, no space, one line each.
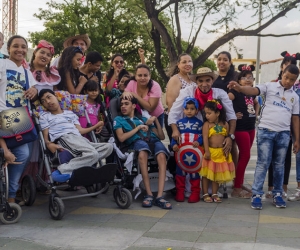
(216,198)
(147,202)
(162,203)
(207,198)
(241,194)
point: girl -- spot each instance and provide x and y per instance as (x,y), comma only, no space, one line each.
(246,108)
(68,69)
(114,93)
(92,104)
(46,76)
(216,166)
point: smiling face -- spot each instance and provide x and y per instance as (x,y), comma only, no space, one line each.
(94,67)
(43,56)
(204,83)
(76,61)
(121,85)
(142,76)
(118,63)
(223,63)
(185,65)
(17,51)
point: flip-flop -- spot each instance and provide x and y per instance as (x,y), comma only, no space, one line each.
(147,202)
(162,203)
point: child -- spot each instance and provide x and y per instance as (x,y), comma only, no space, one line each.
(138,136)
(216,166)
(117,92)
(190,129)
(246,108)
(92,104)
(62,127)
(2,56)
(280,108)
(68,65)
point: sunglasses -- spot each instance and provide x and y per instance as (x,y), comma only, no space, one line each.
(38,76)
(117,62)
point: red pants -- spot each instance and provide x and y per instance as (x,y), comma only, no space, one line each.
(244,141)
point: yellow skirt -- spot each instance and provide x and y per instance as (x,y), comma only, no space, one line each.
(219,168)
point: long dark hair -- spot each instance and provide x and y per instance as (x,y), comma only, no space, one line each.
(144,66)
(175,70)
(287,58)
(111,71)
(92,86)
(65,66)
(47,71)
(213,105)
(230,74)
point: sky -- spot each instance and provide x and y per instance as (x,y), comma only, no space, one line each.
(271,48)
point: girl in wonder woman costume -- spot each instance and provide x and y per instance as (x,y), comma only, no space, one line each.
(217,167)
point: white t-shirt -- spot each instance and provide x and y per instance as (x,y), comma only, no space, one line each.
(13,84)
(279,106)
(59,124)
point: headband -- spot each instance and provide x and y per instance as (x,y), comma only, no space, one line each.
(245,67)
(190,99)
(47,45)
(219,105)
(288,54)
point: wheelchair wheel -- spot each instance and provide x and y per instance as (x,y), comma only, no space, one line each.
(13,217)
(124,200)
(28,190)
(56,208)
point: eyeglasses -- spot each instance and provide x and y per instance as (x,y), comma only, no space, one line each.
(38,76)
(247,78)
(117,62)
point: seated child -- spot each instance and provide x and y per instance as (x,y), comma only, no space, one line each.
(63,128)
(117,92)
(190,129)
(136,138)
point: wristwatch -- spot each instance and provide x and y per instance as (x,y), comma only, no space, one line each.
(232,136)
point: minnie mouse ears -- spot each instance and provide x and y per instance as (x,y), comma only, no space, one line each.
(244,67)
(286,54)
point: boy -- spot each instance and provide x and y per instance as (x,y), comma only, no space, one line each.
(190,129)
(280,108)
(135,133)
(62,126)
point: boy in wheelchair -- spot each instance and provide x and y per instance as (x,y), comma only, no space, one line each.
(65,133)
(145,139)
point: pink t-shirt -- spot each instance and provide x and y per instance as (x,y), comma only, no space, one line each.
(155,92)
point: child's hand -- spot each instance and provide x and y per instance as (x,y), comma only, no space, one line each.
(207,155)
(234,85)
(151,120)
(117,72)
(143,128)
(175,148)
(10,158)
(195,144)
(53,147)
(141,51)
(99,127)
(239,115)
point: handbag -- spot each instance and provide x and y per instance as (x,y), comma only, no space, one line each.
(17,127)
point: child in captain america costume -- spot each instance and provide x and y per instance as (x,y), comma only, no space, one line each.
(188,154)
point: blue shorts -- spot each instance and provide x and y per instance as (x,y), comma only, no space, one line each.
(140,145)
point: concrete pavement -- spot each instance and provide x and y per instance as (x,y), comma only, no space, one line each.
(97,223)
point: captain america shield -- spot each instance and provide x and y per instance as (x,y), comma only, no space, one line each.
(188,158)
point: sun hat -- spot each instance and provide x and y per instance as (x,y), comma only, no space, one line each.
(205,71)
(69,41)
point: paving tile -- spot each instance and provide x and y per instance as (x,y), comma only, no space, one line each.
(158,243)
(279,243)
(175,227)
(238,231)
(278,219)
(140,226)
(178,235)
(16,244)
(276,233)
(220,237)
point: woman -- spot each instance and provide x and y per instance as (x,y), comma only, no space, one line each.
(47,76)
(146,91)
(14,94)
(179,80)
(226,71)
(68,68)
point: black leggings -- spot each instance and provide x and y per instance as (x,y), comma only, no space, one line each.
(287,167)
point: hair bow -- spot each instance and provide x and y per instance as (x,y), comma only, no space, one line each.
(190,99)
(245,67)
(219,105)
(47,45)
(288,54)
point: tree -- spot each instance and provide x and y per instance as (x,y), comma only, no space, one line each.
(198,12)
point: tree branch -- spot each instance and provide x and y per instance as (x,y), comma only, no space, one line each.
(280,35)
(168,4)
(178,37)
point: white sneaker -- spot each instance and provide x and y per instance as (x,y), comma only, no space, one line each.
(284,195)
(220,195)
(295,196)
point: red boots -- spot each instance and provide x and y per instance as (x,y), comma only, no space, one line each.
(195,191)
(180,187)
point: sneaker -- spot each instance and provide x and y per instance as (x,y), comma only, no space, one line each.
(284,195)
(256,202)
(278,201)
(295,196)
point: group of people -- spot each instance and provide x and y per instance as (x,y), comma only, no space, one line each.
(212,114)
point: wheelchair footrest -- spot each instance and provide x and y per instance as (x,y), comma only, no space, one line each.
(87,176)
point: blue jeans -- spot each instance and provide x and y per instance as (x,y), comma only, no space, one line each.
(140,145)
(15,171)
(267,142)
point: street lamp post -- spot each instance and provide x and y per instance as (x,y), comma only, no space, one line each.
(258,44)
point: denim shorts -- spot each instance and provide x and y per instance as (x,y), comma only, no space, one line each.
(140,145)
